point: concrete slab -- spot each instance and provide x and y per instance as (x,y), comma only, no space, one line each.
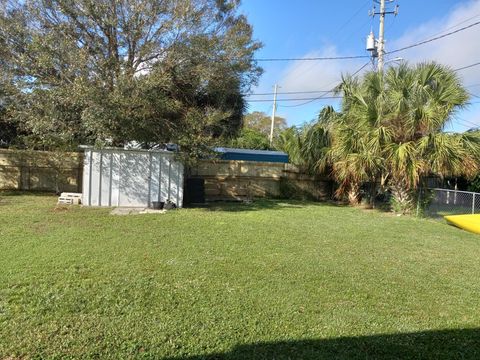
(153,211)
(126,211)
(135,211)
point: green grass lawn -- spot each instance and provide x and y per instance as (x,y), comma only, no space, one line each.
(270,280)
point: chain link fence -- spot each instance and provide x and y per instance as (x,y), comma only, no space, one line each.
(440,202)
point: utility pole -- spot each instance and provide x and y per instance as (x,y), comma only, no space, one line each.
(381,32)
(273,113)
(377,47)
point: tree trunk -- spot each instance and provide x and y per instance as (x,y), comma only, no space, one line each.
(373,193)
(353,194)
(402,197)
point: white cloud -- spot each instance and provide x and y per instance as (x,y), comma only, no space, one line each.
(317,75)
(457,50)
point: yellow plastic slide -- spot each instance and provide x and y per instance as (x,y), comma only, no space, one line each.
(466,222)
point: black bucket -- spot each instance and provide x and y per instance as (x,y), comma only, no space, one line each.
(158,205)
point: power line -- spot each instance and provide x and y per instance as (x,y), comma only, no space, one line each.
(354,32)
(322,58)
(457,120)
(299,99)
(469,123)
(338,31)
(467,67)
(312,100)
(367,56)
(325,92)
(316,58)
(435,38)
(351,17)
(356,72)
(291,92)
(453,26)
(323,96)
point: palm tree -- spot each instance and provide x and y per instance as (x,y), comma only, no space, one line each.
(307,146)
(392,129)
(355,153)
(290,141)
(390,132)
(317,141)
(420,102)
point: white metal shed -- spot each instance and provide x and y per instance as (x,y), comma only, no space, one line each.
(133,178)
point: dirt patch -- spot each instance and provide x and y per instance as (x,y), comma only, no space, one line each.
(61,208)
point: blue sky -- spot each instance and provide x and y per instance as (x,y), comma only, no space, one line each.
(309,28)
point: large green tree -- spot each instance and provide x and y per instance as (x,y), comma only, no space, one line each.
(113,71)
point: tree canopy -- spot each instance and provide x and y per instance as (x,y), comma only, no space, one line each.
(114,71)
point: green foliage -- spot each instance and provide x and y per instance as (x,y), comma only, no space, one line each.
(402,204)
(290,141)
(9,130)
(251,139)
(474,185)
(390,131)
(106,73)
(234,282)
(423,199)
(262,123)
(308,146)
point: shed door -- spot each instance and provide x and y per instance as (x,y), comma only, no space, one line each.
(134,179)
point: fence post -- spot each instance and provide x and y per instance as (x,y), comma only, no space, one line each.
(473,204)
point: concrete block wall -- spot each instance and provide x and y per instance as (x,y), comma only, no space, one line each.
(236,180)
(41,170)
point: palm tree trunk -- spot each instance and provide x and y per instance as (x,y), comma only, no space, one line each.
(353,194)
(373,193)
(402,197)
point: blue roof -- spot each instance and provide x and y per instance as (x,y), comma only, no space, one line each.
(252,155)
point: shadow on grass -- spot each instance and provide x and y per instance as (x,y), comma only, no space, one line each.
(260,204)
(439,211)
(7,196)
(7,193)
(443,344)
